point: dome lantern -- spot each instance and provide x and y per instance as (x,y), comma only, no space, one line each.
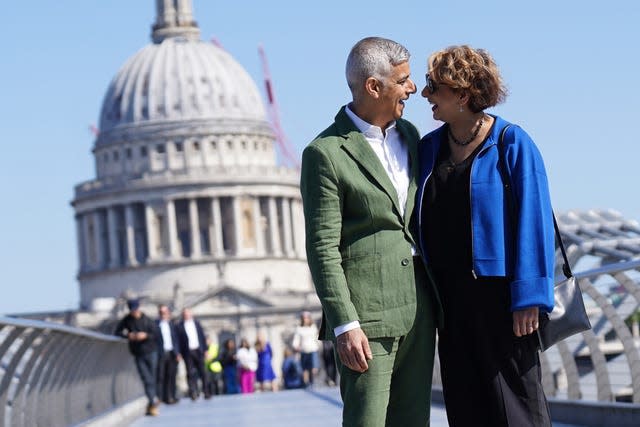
(174,19)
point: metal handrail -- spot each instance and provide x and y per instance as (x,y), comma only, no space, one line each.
(58,375)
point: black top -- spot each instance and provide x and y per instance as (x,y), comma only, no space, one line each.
(447,216)
(142,324)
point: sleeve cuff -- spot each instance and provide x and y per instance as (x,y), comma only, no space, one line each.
(339,330)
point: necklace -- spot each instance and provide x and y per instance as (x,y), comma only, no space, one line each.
(473,135)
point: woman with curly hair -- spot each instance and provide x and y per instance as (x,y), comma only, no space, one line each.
(486,232)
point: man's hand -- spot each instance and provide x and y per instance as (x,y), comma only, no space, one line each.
(525,321)
(353,349)
(137,336)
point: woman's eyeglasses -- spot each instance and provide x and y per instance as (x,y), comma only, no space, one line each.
(431,86)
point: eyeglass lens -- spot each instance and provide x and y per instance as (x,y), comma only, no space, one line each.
(431,85)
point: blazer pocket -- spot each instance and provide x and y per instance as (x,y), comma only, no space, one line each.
(364,279)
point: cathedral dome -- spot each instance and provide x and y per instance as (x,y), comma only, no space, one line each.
(179,78)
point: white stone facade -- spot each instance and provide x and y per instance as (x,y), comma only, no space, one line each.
(187,192)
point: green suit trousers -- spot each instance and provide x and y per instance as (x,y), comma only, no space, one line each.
(396,389)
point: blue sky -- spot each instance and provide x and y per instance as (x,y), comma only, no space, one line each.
(571,67)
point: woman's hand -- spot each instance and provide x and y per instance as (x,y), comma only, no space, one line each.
(525,321)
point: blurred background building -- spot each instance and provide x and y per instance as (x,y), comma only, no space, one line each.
(191,204)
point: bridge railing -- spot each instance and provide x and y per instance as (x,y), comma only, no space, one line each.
(602,364)
(56,375)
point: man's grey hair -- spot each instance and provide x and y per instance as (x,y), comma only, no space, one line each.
(373,57)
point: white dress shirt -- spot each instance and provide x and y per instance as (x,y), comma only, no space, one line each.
(192,334)
(165,330)
(392,152)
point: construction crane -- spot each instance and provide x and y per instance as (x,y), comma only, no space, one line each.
(287,151)
(94,130)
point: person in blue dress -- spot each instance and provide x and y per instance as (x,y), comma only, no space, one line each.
(265,376)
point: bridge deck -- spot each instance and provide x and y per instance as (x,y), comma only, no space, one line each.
(309,408)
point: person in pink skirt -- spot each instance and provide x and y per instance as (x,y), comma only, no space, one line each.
(247,366)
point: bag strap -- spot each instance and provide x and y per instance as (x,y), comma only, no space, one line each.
(506,180)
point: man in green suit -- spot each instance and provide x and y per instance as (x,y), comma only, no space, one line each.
(358,185)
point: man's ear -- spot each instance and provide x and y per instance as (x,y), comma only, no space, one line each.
(373,87)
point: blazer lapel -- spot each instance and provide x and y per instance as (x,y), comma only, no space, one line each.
(412,145)
(359,149)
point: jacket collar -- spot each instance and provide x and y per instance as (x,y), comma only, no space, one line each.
(355,144)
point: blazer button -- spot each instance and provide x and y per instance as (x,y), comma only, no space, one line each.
(405,262)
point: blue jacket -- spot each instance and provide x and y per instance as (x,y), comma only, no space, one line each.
(524,252)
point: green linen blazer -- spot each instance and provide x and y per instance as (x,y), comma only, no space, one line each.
(358,244)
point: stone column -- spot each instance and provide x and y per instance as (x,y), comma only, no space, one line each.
(152,244)
(97,238)
(172,228)
(297,219)
(88,241)
(130,233)
(257,226)
(286,226)
(194,226)
(185,12)
(82,252)
(274,232)
(237,225)
(112,221)
(215,233)
(166,13)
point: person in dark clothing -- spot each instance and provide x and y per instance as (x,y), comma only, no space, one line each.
(489,245)
(142,334)
(329,360)
(229,363)
(291,371)
(193,346)
(169,355)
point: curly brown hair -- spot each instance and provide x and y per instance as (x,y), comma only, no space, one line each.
(473,71)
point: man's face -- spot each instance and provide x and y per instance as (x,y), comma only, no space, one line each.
(395,90)
(164,313)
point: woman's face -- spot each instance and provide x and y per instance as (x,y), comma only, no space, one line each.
(445,101)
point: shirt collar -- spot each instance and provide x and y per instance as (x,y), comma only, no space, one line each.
(367,129)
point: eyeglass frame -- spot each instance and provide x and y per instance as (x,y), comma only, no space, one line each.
(430,84)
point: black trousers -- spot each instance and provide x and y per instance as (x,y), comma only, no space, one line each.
(167,369)
(194,364)
(214,383)
(329,360)
(490,377)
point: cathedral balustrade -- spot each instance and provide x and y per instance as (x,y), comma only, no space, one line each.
(56,375)
(227,175)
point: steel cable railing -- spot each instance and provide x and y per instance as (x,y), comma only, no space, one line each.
(55,375)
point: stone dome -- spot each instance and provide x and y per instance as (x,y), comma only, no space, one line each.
(179,78)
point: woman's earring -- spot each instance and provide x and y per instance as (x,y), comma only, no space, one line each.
(461,109)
